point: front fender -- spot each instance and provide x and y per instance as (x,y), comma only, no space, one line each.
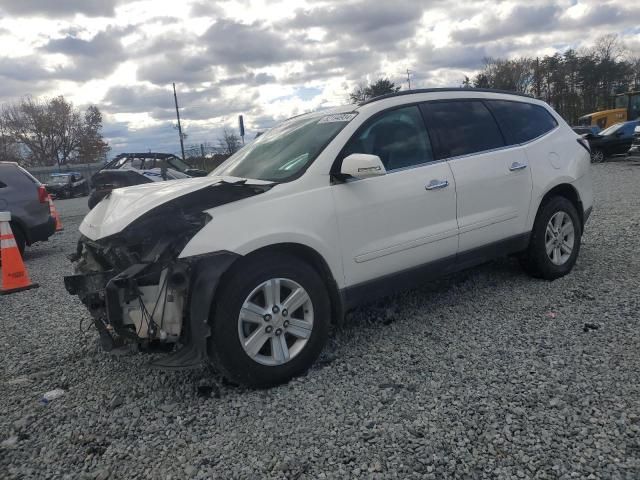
(306,218)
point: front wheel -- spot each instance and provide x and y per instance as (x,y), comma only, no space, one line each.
(271,321)
(555,240)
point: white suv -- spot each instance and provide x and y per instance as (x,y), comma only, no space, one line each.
(248,267)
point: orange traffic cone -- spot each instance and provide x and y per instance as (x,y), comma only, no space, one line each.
(14,275)
(54,213)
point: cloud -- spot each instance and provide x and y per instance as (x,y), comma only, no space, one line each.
(58,8)
(383,24)
(234,44)
(521,20)
(98,56)
(269,59)
(175,67)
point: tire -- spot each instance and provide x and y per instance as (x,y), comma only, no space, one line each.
(226,349)
(597,156)
(536,261)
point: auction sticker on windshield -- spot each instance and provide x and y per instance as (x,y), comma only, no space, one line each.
(338,117)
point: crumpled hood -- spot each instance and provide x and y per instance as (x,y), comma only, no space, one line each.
(124,205)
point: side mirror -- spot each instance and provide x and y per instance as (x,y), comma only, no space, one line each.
(362,165)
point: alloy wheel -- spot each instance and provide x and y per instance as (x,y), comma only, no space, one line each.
(559,238)
(275,321)
(597,156)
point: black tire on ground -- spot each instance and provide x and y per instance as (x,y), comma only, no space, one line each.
(535,260)
(225,349)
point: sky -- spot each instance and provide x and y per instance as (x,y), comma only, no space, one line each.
(268,59)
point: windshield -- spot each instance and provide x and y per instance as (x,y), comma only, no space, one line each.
(612,129)
(286,149)
(59,179)
(178,164)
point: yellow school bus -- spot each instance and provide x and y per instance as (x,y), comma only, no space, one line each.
(627,107)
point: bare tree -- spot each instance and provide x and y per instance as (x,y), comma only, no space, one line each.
(53,130)
(229,142)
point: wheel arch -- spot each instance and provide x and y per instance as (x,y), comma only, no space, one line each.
(310,256)
(567,191)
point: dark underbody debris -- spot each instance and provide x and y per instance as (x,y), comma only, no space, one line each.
(138,290)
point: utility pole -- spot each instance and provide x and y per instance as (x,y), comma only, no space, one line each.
(175,97)
(409,78)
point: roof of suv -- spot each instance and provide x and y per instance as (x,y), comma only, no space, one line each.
(436,90)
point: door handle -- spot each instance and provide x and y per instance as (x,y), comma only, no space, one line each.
(436,184)
(517,166)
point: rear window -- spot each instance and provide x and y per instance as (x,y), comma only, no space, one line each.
(521,121)
(462,127)
(29,176)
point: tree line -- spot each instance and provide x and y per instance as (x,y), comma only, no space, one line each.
(51,131)
(574,83)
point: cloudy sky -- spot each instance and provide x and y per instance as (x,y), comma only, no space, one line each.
(268,59)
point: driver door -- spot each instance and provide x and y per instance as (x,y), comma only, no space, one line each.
(402,220)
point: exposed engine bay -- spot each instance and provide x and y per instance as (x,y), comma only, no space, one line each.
(138,290)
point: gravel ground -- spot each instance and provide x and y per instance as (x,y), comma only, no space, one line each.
(487,374)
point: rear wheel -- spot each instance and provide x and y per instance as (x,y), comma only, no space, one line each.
(555,240)
(271,322)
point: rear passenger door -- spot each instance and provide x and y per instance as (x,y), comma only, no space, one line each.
(493,181)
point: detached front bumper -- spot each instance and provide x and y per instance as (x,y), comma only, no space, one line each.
(188,284)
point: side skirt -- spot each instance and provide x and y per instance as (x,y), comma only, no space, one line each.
(372,290)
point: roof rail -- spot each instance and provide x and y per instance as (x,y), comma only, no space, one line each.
(433,90)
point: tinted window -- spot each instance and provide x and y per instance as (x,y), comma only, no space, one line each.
(520,121)
(462,127)
(398,137)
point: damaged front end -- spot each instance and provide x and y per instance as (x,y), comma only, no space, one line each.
(138,290)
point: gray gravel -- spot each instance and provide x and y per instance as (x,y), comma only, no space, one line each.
(489,374)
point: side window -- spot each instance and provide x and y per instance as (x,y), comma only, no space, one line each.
(521,121)
(137,163)
(398,137)
(462,127)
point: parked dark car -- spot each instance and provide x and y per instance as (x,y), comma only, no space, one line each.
(67,185)
(586,129)
(129,169)
(26,198)
(614,140)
